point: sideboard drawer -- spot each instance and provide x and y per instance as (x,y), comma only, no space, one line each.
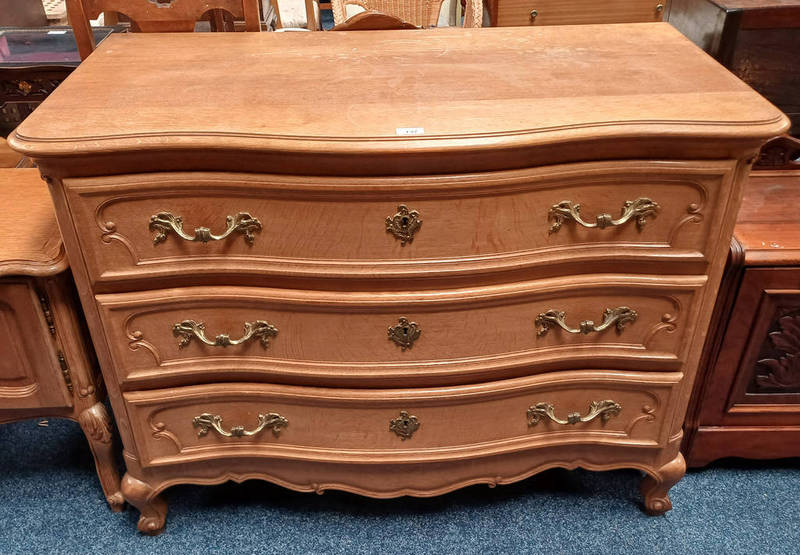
(188,226)
(400,425)
(179,336)
(574,12)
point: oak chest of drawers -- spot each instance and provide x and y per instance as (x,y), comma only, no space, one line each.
(404,291)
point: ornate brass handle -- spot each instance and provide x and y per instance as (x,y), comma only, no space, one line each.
(164,223)
(207,421)
(604,409)
(621,316)
(638,209)
(188,329)
(404,224)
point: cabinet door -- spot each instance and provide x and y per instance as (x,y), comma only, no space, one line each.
(756,380)
(30,374)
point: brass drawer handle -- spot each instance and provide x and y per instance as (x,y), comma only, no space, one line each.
(404,425)
(621,316)
(404,224)
(604,409)
(207,421)
(533,14)
(188,329)
(404,333)
(638,209)
(164,223)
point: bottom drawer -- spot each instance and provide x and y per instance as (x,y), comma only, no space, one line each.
(400,425)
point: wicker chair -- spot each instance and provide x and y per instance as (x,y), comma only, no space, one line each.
(423,13)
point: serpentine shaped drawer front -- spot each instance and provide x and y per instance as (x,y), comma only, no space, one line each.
(183,336)
(398,425)
(589,217)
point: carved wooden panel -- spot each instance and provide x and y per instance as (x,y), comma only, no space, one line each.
(768,373)
(755,374)
(779,358)
(354,425)
(338,227)
(337,337)
(30,376)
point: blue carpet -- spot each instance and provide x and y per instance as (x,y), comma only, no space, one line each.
(51,502)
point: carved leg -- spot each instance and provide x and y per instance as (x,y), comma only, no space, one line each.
(655,488)
(96,425)
(152,507)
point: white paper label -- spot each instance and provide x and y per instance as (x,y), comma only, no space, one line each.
(61,32)
(410,131)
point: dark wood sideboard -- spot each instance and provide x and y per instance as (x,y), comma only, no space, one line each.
(33,62)
(746,401)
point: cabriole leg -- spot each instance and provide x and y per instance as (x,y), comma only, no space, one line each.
(655,487)
(96,425)
(153,508)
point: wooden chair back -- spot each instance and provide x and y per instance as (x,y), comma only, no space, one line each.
(422,13)
(155,16)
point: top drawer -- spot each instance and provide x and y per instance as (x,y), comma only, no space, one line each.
(575,12)
(195,226)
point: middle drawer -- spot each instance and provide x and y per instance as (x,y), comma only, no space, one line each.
(182,336)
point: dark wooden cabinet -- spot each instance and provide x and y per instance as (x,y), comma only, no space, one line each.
(33,62)
(758,40)
(746,401)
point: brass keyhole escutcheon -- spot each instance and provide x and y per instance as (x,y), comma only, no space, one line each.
(659,8)
(404,333)
(534,13)
(404,425)
(404,224)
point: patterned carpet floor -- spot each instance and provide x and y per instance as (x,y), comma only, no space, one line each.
(51,502)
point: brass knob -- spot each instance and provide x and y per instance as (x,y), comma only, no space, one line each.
(534,13)
(660,8)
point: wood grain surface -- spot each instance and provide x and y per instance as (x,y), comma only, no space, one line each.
(469,128)
(341,337)
(31,243)
(472,224)
(609,87)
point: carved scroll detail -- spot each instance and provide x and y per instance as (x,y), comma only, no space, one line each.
(784,372)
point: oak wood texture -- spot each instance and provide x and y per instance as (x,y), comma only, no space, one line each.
(8,157)
(336,227)
(47,366)
(340,338)
(612,124)
(351,425)
(152,16)
(756,39)
(615,102)
(506,13)
(31,242)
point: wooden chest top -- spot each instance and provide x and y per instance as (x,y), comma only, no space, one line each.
(390,92)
